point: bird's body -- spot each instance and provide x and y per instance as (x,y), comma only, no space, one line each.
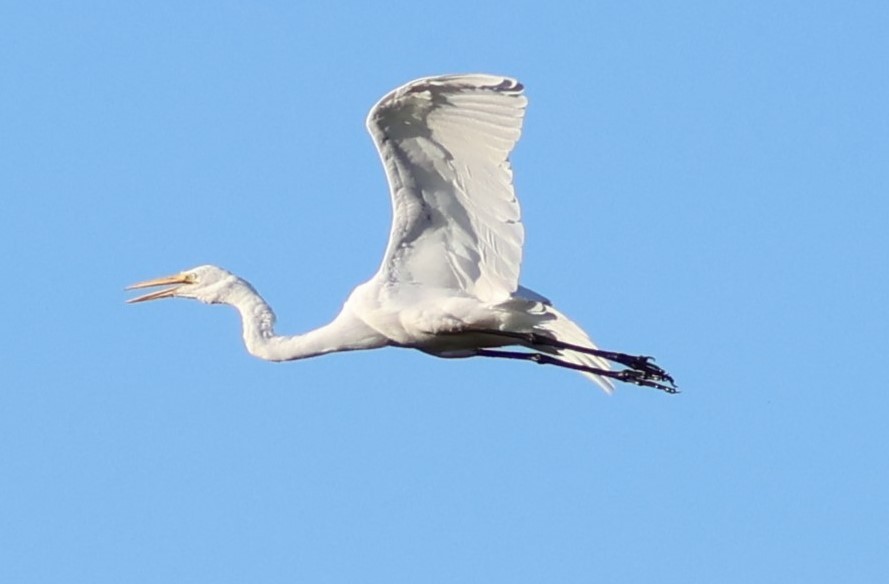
(448,283)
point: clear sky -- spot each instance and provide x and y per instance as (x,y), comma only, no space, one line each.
(707,182)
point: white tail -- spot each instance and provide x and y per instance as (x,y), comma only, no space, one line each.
(563,329)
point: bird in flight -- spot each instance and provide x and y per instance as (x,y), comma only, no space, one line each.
(449,281)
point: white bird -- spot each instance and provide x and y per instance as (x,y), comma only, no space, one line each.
(448,284)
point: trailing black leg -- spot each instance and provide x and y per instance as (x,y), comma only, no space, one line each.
(626,375)
(639,366)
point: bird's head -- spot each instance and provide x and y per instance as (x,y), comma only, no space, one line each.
(209,284)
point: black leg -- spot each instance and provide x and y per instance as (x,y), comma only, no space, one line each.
(627,375)
(639,365)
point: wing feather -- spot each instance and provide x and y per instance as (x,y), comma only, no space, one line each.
(445,143)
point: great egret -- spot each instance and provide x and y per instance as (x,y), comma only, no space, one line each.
(448,284)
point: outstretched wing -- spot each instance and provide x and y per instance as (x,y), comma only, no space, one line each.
(444,142)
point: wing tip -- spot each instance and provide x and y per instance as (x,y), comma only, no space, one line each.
(457,81)
(443,84)
(483,81)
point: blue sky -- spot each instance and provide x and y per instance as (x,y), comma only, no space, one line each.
(704,182)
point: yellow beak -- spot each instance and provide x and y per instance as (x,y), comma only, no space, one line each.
(177,279)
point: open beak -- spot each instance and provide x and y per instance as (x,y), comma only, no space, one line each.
(178,279)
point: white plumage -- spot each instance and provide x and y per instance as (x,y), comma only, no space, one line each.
(448,284)
(444,143)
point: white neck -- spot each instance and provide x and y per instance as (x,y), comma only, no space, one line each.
(345,333)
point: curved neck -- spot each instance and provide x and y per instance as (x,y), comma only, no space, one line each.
(344,333)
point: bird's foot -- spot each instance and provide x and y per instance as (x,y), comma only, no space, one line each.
(643,364)
(662,382)
(641,370)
